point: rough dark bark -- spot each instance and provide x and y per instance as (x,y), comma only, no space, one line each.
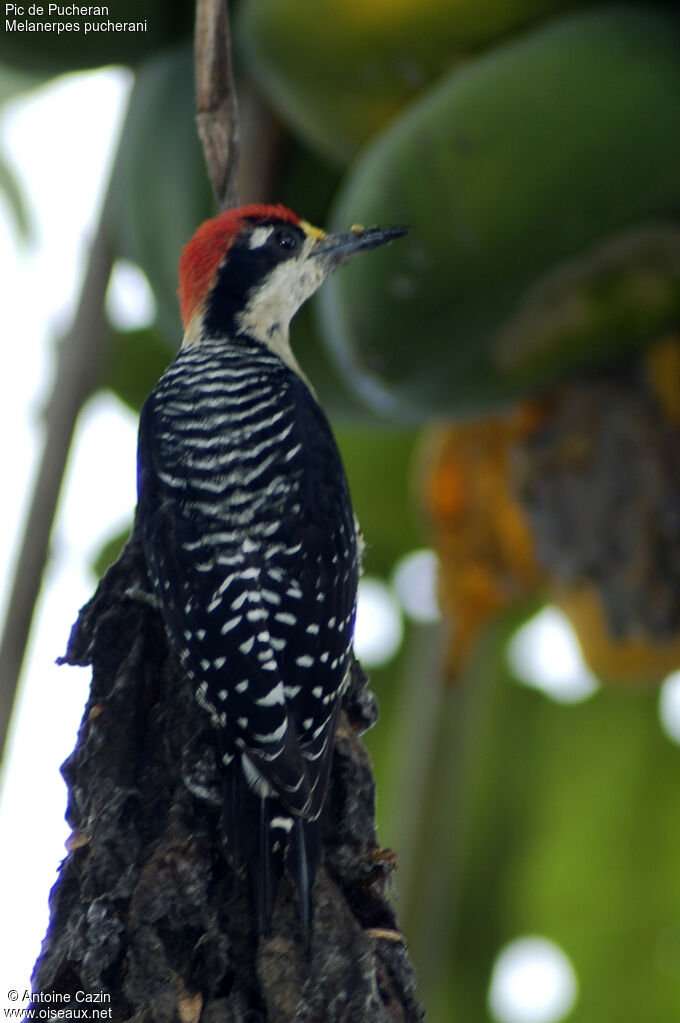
(149,906)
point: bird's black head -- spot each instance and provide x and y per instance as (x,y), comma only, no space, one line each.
(249,270)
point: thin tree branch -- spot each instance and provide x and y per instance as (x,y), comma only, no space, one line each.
(216,106)
(81,356)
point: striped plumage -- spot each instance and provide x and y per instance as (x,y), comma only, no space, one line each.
(252,544)
(248,529)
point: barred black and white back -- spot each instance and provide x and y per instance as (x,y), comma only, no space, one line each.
(251,545)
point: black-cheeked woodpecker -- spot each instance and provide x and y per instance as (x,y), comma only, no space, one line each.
(247,526)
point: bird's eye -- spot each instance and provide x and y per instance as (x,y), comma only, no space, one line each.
(286,238)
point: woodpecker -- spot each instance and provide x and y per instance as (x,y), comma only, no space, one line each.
(248,530)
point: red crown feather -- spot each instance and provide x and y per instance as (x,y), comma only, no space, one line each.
(202,256)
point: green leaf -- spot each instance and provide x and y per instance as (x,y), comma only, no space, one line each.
(162,189)
(14,81)
(379,466)
(542,187)
(109,551)
(137,360)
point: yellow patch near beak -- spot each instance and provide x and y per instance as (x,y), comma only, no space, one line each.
(311,231)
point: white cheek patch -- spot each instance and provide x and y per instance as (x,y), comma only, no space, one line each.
(260,237)
(270,308)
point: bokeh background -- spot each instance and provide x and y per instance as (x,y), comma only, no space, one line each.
(505,388)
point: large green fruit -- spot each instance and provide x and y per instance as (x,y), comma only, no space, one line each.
(342,69)
(542,186)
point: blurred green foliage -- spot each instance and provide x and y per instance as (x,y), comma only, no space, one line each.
(13,82)
(161,187)
(137,359)
(523,816)
(51,52)
(11,191)
(533,147)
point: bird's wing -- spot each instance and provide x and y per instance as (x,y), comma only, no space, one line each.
(217,618)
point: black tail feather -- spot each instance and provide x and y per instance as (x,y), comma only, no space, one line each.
(267,851)
(263,880)
(303,858)
(304,885)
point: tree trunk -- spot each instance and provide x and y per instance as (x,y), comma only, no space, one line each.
(150,909)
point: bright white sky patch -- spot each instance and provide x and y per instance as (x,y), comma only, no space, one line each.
(415,583)
(129,300)
(97,502)
(379,628)
(60,140)
(545,654)
(669,706)
(100,492)
(532,982)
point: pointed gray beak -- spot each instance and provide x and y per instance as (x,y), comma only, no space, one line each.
(336,249)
